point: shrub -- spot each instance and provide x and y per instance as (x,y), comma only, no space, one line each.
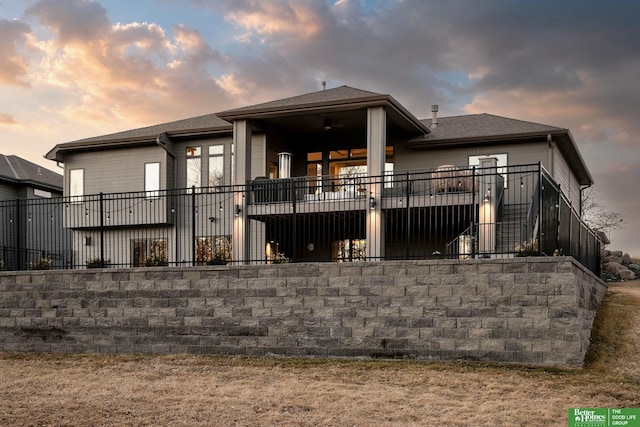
(280,258)
(528,248)
(97,263)
(41,264)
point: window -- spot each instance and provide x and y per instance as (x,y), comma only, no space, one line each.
(152,179)
(349,250)
(194,167)
(213,250)
(76,184)
(314,172)
(149,252)
(216,165)
(41,193)
(388,167)
(273,170)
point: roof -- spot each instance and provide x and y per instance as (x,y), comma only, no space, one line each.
(489,128)
(323,97)
(209,123)
(484,125)
(339,99)
(20,171)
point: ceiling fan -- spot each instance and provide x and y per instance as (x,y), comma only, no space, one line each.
(329,124)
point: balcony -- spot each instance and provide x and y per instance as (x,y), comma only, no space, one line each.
(452,213)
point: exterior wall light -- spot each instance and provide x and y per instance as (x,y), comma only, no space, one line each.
(372,202)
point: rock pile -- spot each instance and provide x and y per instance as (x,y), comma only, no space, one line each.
(617,266)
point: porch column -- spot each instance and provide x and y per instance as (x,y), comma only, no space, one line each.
(488,198)
(242,168)
(376,144)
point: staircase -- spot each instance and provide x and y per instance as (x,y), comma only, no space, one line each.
(508,231)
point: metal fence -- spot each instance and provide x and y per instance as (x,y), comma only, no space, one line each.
(445,213)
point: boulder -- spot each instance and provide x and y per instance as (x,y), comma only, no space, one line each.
(626,274)
(614,267)
(616,259)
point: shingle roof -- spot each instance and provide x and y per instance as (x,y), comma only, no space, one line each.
(483,126)
(488,128)
(17,169)
(342,93)
(208,121)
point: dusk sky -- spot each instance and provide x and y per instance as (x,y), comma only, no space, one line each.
(71,69)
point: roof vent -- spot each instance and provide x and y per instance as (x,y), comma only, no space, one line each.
(434,120)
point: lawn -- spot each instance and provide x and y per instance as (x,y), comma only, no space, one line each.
(181,390)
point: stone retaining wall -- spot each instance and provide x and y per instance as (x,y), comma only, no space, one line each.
(535,311)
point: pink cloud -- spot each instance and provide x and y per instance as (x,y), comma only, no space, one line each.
(132,73)
(276,18)
(7,119)
(13,63)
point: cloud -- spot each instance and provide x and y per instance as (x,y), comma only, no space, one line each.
(130,73)
(616,190)
(7,119)
(290,18)
(565,64)
(72,21)
(13,63)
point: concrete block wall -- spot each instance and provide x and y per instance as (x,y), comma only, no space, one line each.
(536,311)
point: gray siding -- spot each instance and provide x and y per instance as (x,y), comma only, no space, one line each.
(7,192)
(113,171)
(518,154)
(564,176)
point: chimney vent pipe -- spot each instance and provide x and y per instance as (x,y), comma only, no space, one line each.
(434,119)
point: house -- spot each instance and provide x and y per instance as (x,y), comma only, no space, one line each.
(27,205)
(22,179)
(336,175)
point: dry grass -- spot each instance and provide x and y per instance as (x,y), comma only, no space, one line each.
(80,390)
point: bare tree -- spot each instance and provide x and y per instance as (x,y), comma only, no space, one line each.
(598,216)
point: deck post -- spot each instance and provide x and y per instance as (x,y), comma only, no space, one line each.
(376,154)
(242,167)
(488,198)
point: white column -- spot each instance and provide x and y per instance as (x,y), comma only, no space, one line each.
(376,154)
(242,168)
(488,194)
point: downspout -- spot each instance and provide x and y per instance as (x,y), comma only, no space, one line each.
(163,142)
(582,188)
(550,146)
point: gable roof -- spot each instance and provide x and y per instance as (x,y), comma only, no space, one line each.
(477,126)
(17,170)
(489,128)
(336,95)
(208,123)
(342,98)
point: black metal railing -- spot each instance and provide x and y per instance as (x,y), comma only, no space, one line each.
(461,212)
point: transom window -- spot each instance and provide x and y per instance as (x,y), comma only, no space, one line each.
(194,166)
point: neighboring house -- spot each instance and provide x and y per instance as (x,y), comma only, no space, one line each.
(27,207)
(21,179)
(336,175)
